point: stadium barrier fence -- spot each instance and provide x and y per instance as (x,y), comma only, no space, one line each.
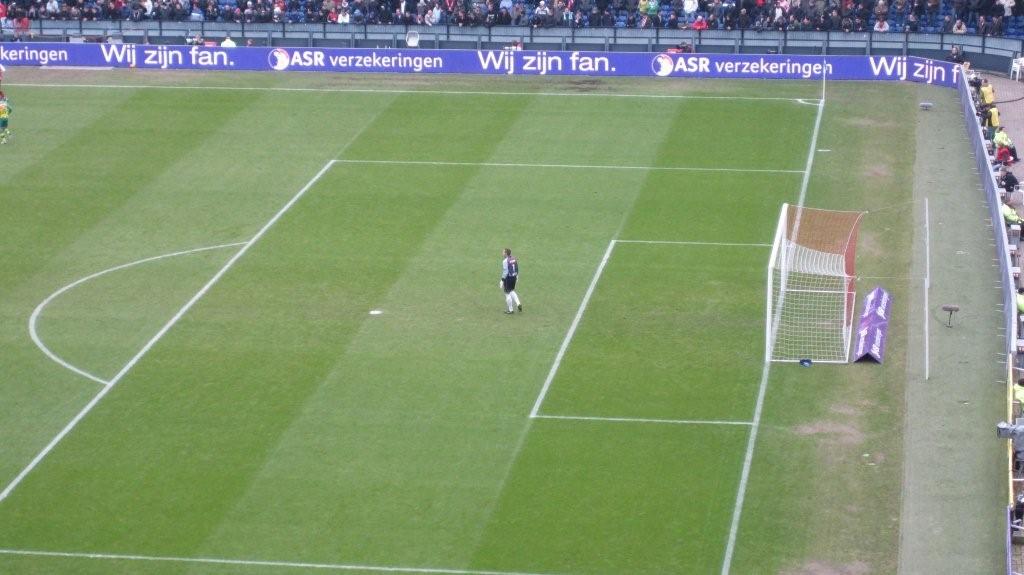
(992,196)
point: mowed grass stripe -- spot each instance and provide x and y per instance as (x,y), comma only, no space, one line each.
(831,436)
(44,217)
(107,176)
(42,135)
(420,420)
(223,197)
(594,497)
(713,208)
(507,531)
(272,328)
(671,333)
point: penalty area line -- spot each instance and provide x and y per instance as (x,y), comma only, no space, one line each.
(572,330)
(160,334)
(254,563)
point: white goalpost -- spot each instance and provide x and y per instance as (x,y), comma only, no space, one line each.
(811,291)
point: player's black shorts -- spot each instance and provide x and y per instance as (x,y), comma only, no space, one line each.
(509,283)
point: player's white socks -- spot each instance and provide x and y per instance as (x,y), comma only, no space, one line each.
(508,302)
(515,299)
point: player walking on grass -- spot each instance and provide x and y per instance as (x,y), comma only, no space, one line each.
(509,274)
(5,113)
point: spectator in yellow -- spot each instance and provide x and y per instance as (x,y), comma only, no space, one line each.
(1011,217)
(1018,390)
(1002,140)
(988,93)
(990,119)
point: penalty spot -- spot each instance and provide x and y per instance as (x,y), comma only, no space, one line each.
(376,312)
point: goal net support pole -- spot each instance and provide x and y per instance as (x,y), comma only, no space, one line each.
(811,285)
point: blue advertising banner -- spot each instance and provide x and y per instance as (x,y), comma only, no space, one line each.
(508,62)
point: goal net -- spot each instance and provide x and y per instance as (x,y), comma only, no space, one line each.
(811,285)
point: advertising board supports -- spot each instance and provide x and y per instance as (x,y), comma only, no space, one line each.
(873,327)
(495,62)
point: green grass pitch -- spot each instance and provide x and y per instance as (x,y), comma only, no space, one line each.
(278,427)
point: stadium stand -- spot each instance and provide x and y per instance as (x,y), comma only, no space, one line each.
(992,18)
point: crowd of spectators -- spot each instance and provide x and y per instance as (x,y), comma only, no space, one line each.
(985,17)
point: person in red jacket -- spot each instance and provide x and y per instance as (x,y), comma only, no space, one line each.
(700,24)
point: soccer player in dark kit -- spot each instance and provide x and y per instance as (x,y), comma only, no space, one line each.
(509,275)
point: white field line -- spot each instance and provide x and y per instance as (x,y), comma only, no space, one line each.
(160,334)
(726,244)
(34,318)
(254,563)
(645,420)
(567,166)
(572,330)
(534,413)
(398,91)
(748,457)
(927,285)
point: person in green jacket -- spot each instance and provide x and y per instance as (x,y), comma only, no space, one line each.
(1010,214)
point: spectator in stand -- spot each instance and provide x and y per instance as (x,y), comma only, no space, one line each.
(1010,217)
(835,20)
(1007,180)
(960,9)
(700,24)
(912,24)
(947,25)
(540,15)
(956,55)
(987,93)
(932,11)
(959,27)
(996,26)
(228,42)
(1002,141)
(981,28)
(881,26)
(881,10)
(991,120)
(690,10)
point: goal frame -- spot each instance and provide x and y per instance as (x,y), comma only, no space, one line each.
(777,263)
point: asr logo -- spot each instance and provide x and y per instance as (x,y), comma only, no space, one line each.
(278,59)
(666,65)
(662,65)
